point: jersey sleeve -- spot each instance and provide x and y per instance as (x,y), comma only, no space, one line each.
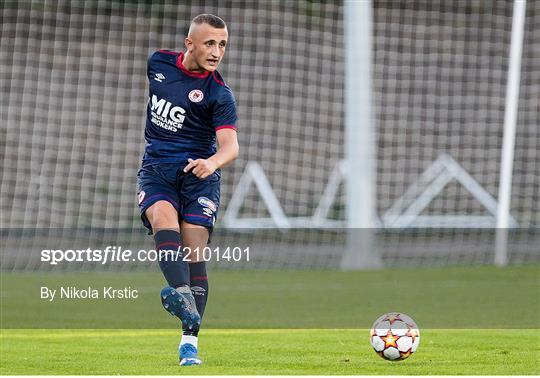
(225,113)
(149,63)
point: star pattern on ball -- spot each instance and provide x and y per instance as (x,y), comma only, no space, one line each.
(413,333)
(392,318)
(390,340)
(404,355)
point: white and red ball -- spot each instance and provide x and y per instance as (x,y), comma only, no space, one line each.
(395,336)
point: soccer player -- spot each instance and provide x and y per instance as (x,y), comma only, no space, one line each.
(190,108)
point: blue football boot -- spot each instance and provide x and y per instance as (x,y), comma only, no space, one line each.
(181,304)
(188,355)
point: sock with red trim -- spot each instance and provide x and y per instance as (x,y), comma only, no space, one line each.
(199,284)
(175,270)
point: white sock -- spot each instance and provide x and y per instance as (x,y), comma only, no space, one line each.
(189,339)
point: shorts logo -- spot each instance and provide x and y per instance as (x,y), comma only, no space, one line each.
(205,202)
(196,95)
(141,196)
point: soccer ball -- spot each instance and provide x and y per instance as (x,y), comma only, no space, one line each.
(395,336)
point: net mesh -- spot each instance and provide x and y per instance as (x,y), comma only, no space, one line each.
(74,83)
(440,77)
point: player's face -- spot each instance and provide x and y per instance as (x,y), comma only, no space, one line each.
(206,46)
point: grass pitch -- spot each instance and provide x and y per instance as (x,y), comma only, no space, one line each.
(273,351)
(473,320)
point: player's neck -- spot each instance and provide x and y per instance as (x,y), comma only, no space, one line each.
(190,65)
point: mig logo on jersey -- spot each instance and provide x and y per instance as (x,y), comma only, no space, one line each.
(165,115)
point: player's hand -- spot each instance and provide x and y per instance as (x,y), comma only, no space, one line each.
(202,168)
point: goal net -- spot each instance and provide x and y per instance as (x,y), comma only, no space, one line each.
(74,85)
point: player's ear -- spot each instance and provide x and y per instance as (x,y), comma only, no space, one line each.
(188,43)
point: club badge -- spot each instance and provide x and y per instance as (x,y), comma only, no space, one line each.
(196,95)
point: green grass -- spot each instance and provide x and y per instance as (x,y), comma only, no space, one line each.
(474,320)
(451,298)
(262,352)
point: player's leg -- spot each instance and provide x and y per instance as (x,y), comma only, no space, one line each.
(158,202)
(200,201)
(176,298)
(195,239)
(163,218)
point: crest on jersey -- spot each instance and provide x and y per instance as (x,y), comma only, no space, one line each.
(196,95)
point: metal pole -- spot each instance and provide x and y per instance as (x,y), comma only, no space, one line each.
(510,119)
(360,251)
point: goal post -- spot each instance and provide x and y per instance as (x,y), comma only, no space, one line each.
(360,251)
(510,120)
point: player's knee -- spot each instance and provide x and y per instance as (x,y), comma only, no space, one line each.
(196,238)
(162,215)
(195,234)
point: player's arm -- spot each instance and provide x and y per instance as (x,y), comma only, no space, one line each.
(227,152)
(227,147)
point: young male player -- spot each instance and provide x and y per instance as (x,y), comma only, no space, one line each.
(189,109)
